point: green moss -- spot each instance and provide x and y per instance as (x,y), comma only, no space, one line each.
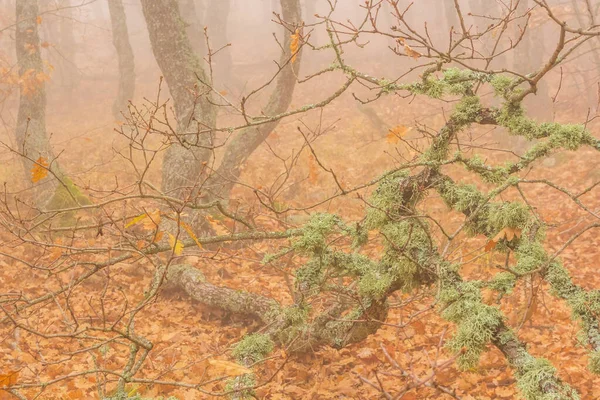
(594,362)
(531,376)
(503,282)
(253,348)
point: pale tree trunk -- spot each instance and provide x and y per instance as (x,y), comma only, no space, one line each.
(185,160)
(217,16)
(244,143)
(125,57)
(194,27)
(32,140)
(70,76)
(451,16)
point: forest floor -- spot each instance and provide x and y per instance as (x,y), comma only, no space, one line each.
(187,335)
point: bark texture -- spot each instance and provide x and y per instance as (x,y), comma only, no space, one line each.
(31,120)
(248,140)
(194,27)
(69,73)
(183,167)
(120,36)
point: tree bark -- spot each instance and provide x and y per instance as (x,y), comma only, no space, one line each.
(32,140)
(125,57)
(248,140)
(70,76)
(183,167)
(194,27)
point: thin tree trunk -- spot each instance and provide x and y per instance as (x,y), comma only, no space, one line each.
(194,27)
(217,16)
(185,160)
(125,57)
(31,136)
(68,48)
(248,140)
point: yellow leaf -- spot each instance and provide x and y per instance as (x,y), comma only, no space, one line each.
(229,368)
(295,44)
(39,170)
(136,220)
(176,245)
(190,232)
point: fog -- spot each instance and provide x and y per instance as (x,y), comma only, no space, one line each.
(298,198)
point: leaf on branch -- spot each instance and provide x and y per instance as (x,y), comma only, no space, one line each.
(136,220)
(229,368)
(295,44)
(408,50)
(396,133)
(190,232)
(39,170)
(506,233)
(176,245)
(38,20)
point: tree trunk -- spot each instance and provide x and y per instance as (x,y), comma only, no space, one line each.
(194,27)
(125,57)
(32,140)
(248,140)
(216,19)
(183,167)
(70,76)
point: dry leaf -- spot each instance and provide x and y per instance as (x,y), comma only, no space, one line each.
(408,50)
(9,378)
(229,368)
(396,133)
(158,236)
(176,245)
(136,220)
(39,170)
(190,232)
(38,20)
(508,233)
(295,44)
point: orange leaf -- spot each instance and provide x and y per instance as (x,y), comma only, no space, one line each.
(396,133)
(39,170)
(9,378)
(408,50)
(490,245)
(38,20)
(295,44)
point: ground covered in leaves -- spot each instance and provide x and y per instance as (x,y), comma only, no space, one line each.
(404,356)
